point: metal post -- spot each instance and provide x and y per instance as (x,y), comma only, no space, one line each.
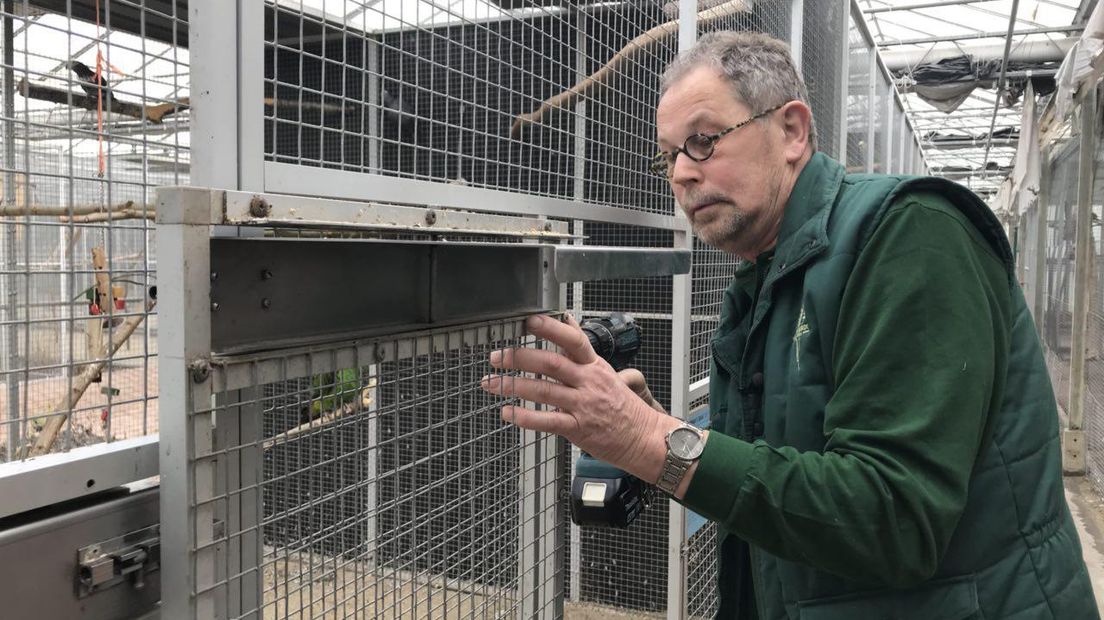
(250,91)
(1043,207)
(889,131)
(844,86)
(574,557)
(186,421)
(797,29)
(872,107)
(7,283)
(1073,439)
(680,367)
(374,98)
(212,30)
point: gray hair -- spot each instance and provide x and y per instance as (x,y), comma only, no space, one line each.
(759,68)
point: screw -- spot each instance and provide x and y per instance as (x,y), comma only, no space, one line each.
(214,306)
(266,274)
(259,207)
(266,303)
(214,276)
(430,218)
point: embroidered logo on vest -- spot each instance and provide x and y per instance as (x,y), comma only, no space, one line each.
(801,330)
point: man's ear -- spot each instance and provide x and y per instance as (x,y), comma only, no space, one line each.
(797,121)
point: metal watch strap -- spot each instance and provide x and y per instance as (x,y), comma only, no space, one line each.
(674,469)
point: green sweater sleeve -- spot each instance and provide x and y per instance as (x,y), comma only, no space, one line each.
(919,360)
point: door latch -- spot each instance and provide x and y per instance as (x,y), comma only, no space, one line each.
(124,558)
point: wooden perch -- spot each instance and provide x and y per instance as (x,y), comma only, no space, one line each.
(565,99)
(83,212)
(104,216)
(152,113)
(366,395)
(45,438)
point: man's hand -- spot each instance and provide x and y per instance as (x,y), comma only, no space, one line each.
(636,382)
(595,408)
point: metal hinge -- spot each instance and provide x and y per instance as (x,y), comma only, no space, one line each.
(124,558)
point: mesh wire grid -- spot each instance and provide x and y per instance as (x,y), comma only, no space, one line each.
(443,95)
(388,488)
(1094,336)
(1061,227)
(822,65)
(701,572)
(881,118)
(858,98)
(50,161)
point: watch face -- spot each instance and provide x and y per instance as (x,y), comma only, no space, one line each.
(685,443)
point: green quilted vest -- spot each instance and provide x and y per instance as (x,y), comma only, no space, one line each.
(1015,552)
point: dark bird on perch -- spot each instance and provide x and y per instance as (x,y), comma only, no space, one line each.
(88,80)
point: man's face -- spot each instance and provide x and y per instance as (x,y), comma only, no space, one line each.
(732,199)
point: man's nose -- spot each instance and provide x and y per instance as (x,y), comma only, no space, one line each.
(685,170)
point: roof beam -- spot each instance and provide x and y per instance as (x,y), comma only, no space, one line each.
(919,5)
(981,35)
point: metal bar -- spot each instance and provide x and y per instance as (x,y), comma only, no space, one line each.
(53,478)
(919,5)
(183,258)
(842,85)
(1073,437)
(575,264)
(1000,81)
(1043,203)
(579,194)
(981,35)
(677,569)
(250,92)
(213,28)
(300,211)
(253,306)
(677,599)
(7,283)
(797,30)
(890,107)
(293,179)
(872,97)
(375,98)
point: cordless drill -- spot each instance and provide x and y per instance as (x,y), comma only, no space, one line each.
(601,494)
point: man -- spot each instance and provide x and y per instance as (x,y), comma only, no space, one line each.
(884,437)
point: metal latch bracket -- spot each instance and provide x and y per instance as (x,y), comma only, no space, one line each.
(116,560)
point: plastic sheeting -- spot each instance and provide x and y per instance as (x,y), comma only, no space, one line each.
(1082,62)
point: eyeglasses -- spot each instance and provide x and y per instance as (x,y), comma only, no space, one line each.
(698,147)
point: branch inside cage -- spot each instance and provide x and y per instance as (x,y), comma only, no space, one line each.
(44,439)
(642,42)
(84,214)
(153,113)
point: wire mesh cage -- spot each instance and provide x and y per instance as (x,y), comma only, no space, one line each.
(387,486)
(1061,227)
(94,116)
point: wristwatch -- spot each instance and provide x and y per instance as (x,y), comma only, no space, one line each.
(684,446)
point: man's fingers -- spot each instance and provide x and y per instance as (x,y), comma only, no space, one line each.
(536,390)
(571,340)
(538,361)
(544,421)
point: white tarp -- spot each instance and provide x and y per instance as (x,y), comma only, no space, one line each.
(1082,61)
(1025,176)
